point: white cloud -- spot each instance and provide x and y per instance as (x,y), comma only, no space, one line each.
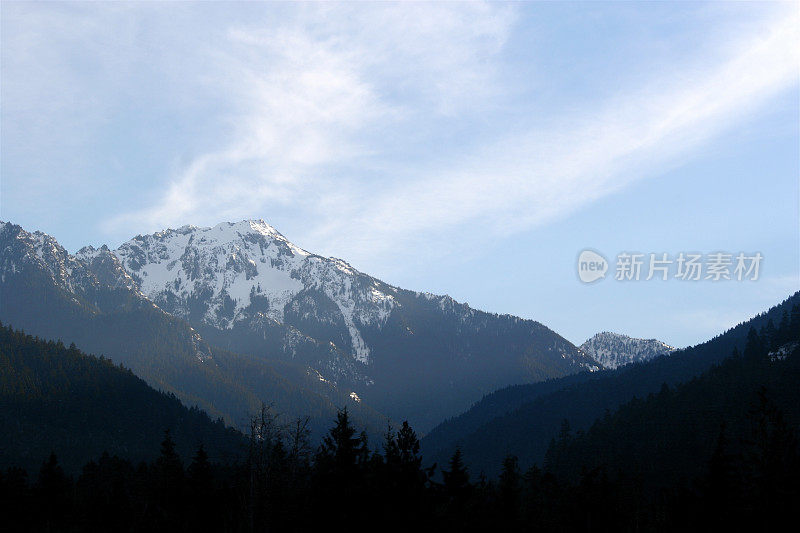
(311,93)
(325,109)
(549,171)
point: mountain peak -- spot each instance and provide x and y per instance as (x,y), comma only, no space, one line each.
(246,272)
(613,350)
(248,226)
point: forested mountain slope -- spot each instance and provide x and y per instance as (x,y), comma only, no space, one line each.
(502,424)
(55,398)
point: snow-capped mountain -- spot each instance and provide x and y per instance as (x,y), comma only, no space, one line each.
(43,251)
(91,300)
(245,288)
(101,278)
(248,272)
(613,350)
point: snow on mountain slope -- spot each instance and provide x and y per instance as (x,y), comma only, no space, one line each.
(86,280)
(240,271)
(43,251)
(613,350)
(88,298)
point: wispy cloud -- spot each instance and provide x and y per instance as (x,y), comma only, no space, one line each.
(378,125)
(311,94)
(532,177)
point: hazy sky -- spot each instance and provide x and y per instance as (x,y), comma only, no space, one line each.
(468,149)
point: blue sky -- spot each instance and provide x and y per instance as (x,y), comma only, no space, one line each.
(469,149)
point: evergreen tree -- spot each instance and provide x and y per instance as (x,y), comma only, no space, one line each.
(15,498)
(774,462)
(456,483)
(783,329)
(754,348)
(391,450)
(53,492)
(720,498)
(794,318)
(408,446)
(339,469)
(104,493)
(509,490)
(168,478)
(342,449)
(199,471)
(769,336)
(202,508)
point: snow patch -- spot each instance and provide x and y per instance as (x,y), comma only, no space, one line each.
(230,264)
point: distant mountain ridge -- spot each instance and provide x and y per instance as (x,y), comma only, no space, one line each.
(245,288)
(530,416)
(613,350)
(745,407)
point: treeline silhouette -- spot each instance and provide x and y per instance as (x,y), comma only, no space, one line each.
(720,451)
